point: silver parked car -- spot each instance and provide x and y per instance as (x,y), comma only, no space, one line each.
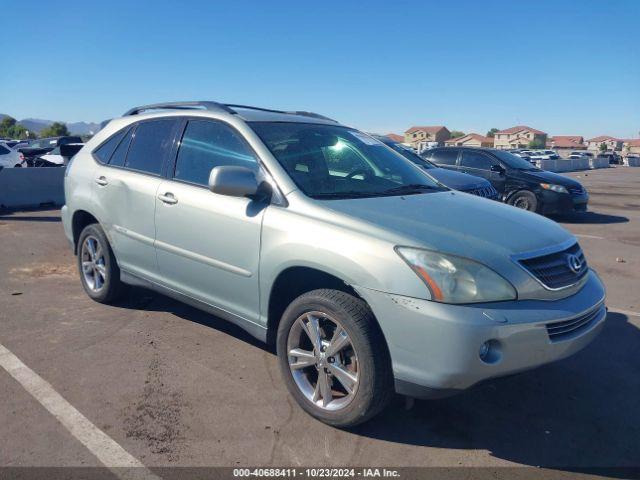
(368,275)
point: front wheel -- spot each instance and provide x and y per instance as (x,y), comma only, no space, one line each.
(525,200)
(333,357)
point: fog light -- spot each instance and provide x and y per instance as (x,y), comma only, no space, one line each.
(484,351)
(490,351)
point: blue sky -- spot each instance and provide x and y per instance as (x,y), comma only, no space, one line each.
(565,67)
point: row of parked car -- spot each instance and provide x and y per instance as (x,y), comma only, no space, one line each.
(44,152)
(533,155)
(500,175)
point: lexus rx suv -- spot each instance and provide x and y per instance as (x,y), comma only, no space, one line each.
(368,276)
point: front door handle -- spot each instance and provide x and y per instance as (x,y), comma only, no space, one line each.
(102,181)
(168,198)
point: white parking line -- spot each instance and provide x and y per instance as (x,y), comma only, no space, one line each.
(107,450)
(624,312)
(582,235)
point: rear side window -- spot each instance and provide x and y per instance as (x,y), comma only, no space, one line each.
(445,156)
(3,150)
(476,160)
(104,151)
(120,155)
(150,144)
(205,145)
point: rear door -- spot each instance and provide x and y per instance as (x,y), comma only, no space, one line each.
(125,189)
(208,245)
(445,157)
(479,163)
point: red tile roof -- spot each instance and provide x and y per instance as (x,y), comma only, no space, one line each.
(602,138)
(395,137)
(633,142)
(433,130)
(567,141)
(470,136)
(520,128)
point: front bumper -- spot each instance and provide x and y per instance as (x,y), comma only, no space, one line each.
(553,202)
(435,347)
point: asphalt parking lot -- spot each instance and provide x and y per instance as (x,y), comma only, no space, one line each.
(176,387)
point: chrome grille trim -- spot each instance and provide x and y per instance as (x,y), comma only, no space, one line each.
(566,329)
(551,268)
(485,192)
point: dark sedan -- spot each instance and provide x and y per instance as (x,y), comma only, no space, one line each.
(518,182)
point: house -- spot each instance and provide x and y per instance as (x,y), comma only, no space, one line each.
(470,140)
(631,145)
(611,143)
(518,137)
(565,144)
(395,137)
(419,137)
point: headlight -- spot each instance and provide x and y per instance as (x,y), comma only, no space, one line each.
(554,188)
(452,279)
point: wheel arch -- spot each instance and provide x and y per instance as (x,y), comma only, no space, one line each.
(80,219)
(294,281)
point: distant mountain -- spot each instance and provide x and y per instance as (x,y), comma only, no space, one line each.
(38,124)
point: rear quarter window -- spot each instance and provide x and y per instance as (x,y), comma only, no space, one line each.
(103,152)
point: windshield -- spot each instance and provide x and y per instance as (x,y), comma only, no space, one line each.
(330,161)
(514,161)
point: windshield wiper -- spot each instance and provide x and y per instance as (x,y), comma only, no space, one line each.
(411,188)
(348,194)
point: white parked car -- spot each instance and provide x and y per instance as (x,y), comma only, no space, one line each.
(59,156)
(9,158)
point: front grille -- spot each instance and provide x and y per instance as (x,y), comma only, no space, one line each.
(579,190)
(558,270)
(565,329)
(485,192)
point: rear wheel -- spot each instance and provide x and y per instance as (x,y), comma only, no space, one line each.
(525,200)
(99,271)
(333,357)
(17,165)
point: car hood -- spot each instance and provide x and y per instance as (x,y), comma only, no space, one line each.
(455,222)
(549,177)
(457,180)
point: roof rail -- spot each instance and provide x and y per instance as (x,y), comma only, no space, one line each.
(216,107)
(207,105)
(302,113)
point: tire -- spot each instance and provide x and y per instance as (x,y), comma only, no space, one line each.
(525,200)
(366,358)
(17,165)
(103,266)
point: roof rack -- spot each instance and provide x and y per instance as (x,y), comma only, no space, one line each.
(217,107)
(207,105)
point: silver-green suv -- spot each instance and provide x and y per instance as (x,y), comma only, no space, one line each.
(367,275)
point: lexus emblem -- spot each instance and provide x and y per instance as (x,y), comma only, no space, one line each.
(574,263)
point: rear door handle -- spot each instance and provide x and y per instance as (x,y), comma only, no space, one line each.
(102,181)
(168,198)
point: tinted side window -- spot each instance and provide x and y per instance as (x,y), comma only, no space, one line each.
(205,145)
(120,155)
(3,150)
(476,160)
(150,143)
(446,156)
(105,150)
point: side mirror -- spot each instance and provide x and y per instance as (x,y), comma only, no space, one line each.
(497,168)
(233,181)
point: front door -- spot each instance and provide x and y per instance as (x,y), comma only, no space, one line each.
(478,163)
(208,245)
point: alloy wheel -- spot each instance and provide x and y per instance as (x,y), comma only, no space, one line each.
(94,269)
(323,361)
